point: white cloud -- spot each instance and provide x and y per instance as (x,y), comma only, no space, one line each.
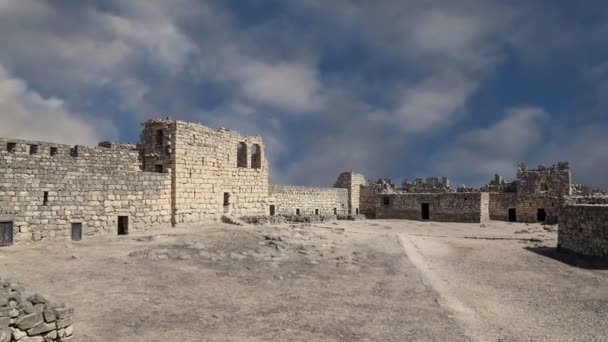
(290,86)
(27,115)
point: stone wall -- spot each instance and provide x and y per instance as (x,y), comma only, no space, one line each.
(499,205)
(354,183)
(208,179)
(28,317)
(583,228)
(289,199)
(46,188)
(555,180)
(368,196)
(529,206)
(443,207)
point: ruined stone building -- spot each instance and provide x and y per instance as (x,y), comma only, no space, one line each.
(183,173)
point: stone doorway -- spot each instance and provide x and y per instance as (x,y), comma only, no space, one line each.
(512,215)
(6,233)
(272,210)
(541,215)
(426,211)
(123,225)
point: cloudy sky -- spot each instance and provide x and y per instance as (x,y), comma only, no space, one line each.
(388,88)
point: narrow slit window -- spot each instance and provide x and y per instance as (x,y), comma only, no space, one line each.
(241,155)
(160,137)
(45,198)
(256,156)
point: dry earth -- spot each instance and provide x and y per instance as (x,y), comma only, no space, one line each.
(337,281)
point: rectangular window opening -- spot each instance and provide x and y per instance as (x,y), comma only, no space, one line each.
(335,211)
(53,151)
(10,147)
(158,168)
(33,149)
(297,211)
(160,137)
(272,210)
(386,200)
(74,151)
(45,198)
(316,211)
(6,233)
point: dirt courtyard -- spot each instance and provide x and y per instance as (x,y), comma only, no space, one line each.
(375,280)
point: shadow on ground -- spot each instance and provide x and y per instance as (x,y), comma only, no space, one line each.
(571,258)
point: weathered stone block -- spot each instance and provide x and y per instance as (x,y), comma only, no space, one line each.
(41,328)
(29,321)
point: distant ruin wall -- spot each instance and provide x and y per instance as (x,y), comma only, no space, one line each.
(31,317)
(499,205)
(354,183)
(530,206)
(368,196)
(45,188)
(583,228)
(288,199)
(445,207)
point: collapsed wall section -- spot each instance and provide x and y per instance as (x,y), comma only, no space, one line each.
(442,207)
(583,228)
(49,190)
(300,200)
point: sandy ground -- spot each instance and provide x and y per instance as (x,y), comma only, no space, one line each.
(339,281)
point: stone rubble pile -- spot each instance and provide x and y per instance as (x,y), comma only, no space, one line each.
(26,317)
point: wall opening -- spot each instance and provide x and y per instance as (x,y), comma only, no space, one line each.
(335,211)
(33,149)
(160,137)
(45,198)
(6,233)
(426,211)
(53,151)
(10,147)
(158,168)
(512,215)
(76,231)
(386,200)
(357,211)
(297,211)
(241,155)
(226,202)
(256,156)
(272,210)
(74,151)
(123,225)
(544,187)
(316,211)
(541,215)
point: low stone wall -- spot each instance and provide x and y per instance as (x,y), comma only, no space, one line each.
(583,228)
(446,207)
(528,207)
(288,200)
(26,317)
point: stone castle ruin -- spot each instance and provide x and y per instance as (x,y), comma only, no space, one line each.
(182,173)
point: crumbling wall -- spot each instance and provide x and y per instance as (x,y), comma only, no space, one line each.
(555,180)
(44,190)
(368,196)
(443,207)
(583,228)
(289,199)
(427,185)
(28,317)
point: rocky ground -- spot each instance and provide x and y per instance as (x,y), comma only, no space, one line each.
(327,281)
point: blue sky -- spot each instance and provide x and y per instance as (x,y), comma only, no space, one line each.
(396,89)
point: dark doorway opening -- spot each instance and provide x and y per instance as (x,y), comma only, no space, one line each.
(316,211)
(272,210)
(541,215)
(335,211)
(123,225)
(77,231)
(6,233)
(426,211)
(357,211)
(226,202)
(512,215)
(386,200)
(297,211)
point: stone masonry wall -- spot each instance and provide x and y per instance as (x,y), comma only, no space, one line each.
(205,168)
(443,207)
(328,201)
(368,196)
(45,187)
(583,228)
(353,182)
(28,317)
(499,205)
